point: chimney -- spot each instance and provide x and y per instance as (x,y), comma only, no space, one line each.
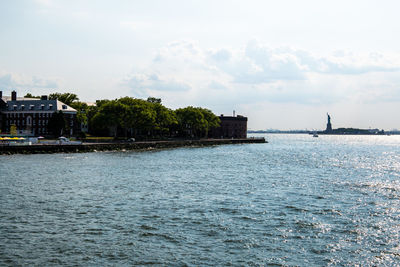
(233,113)
(43,97)
(13,96)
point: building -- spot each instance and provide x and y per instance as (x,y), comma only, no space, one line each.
(31,116)
(231,127)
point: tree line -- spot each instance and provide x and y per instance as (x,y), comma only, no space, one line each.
(138,118)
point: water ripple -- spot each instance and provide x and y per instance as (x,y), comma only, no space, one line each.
(297,201)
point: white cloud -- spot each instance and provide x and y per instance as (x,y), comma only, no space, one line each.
(221,55)
(23,83)
(216,85)
(142,83)
(258,72)
(6,81)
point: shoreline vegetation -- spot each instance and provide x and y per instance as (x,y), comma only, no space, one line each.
(133,117)
(122,146)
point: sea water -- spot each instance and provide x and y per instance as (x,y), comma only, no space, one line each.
(298,200)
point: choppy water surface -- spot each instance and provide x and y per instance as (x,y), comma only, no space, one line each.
(299,200)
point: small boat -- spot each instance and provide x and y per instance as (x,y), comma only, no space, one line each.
(315,135)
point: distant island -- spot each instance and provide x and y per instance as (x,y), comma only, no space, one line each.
(330,131)
(275,131)
(350,131)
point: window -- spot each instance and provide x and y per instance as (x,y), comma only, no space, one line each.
(42,106)
(64,106)
(22,107)
(31,107)
(51,106)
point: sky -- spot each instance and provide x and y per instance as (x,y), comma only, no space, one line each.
(283,64)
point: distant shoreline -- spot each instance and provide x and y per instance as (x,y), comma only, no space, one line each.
(94,147)
(319,132)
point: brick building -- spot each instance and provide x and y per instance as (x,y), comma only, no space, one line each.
(31,115)
(231,127)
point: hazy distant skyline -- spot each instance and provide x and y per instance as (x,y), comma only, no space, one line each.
(283,64)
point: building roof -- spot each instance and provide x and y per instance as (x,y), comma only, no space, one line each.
(8,98)
(35,104)
(237,118)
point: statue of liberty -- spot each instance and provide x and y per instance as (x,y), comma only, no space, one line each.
(328,125)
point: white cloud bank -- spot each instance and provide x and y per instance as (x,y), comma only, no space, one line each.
(261,73)
(256,76)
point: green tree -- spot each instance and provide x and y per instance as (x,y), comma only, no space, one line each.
(81,111)
(140,117)
(196,122)
(165,119)
(91,111)
(99,103)
(29,95)
(66,98)
(109,115)
(147,118)
(191,121)
(211,119)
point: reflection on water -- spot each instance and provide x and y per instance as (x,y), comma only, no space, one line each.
(332,200)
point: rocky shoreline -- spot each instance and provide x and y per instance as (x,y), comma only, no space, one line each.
(93,147)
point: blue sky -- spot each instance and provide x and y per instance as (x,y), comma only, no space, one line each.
(284,64)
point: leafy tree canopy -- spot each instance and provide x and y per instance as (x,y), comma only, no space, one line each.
(66,98)
(196,121)
(29,95)
(81,109)
(134,117)
(99,103)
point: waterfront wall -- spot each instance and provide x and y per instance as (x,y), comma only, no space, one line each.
(86,147)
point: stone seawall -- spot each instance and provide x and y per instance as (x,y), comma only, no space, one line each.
(86,147)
